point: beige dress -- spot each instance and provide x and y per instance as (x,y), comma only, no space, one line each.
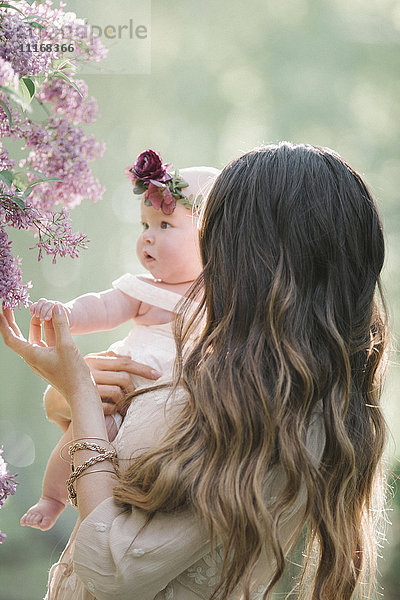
(152,345)
(113,555)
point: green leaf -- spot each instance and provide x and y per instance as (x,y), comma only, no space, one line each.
(7,111)
(52,179)
(35,24)
(19,202)
(42,176)
(82,45)
(17,96)
(30,85)
(60,63)
(7,177)
(24,93)
(45,179)
(40,79)
(139,188)
(67,79)
(20,180)
(36,16)
(33,171)
(6,5)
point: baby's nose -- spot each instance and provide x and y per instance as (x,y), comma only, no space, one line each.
(148,236)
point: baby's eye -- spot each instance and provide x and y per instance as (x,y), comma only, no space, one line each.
(165,225)
(145,225)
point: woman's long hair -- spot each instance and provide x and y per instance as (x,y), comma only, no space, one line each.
(292,249)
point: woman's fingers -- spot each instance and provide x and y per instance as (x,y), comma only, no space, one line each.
(60,322)
(9,315)
(120,379)
(107,362)
(49,333)
(35,332)
(110,392)
(11,334)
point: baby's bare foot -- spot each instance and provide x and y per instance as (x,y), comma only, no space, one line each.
(44,514)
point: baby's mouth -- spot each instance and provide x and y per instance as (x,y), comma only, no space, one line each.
(148,256)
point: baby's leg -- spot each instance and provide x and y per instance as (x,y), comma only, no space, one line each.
(52,502)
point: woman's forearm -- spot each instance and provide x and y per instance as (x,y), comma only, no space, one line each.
(88,422)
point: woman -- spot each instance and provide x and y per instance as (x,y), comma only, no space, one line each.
(273,421)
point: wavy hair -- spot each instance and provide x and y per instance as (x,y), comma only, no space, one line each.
(292,250)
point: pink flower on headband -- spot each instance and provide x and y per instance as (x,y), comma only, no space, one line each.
(149,169)
(159,197)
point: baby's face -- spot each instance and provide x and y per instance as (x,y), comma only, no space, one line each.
(168,245)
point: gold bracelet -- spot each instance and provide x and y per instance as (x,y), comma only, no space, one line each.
(77,471)
(78,440)
(86,446)
(97,471)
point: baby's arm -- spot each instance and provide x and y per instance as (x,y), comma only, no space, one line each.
(92,312)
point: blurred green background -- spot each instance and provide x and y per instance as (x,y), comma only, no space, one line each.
(224,77)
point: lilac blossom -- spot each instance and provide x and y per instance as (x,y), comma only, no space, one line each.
(5,161)
(8,77)
(14,216)
(67,101)
(56,237)
(57,147)
(8,486)
(61,150)
(12,290)
(65,27)
(13,33)
(18,126)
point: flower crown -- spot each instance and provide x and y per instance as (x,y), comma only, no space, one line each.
(150,177)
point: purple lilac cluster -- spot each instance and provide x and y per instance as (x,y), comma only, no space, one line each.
(53,229)
(56,237)
(8,486)
(18,126)
(13,33)
(8,77)
(12,290)
(67,101)
(62,150)
(5,161)
(57,147)
(65,27)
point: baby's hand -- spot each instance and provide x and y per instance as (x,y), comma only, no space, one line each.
(42,309)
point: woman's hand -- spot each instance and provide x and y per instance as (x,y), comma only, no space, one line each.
(55,358)
(113,376)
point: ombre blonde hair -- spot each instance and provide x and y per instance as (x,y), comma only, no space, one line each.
(292,249)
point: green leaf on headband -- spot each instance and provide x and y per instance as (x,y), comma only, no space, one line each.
(181,184)
(139,187)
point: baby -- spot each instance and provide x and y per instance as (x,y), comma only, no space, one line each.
(168,249)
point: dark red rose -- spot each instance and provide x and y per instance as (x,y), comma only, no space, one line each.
(148,167)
